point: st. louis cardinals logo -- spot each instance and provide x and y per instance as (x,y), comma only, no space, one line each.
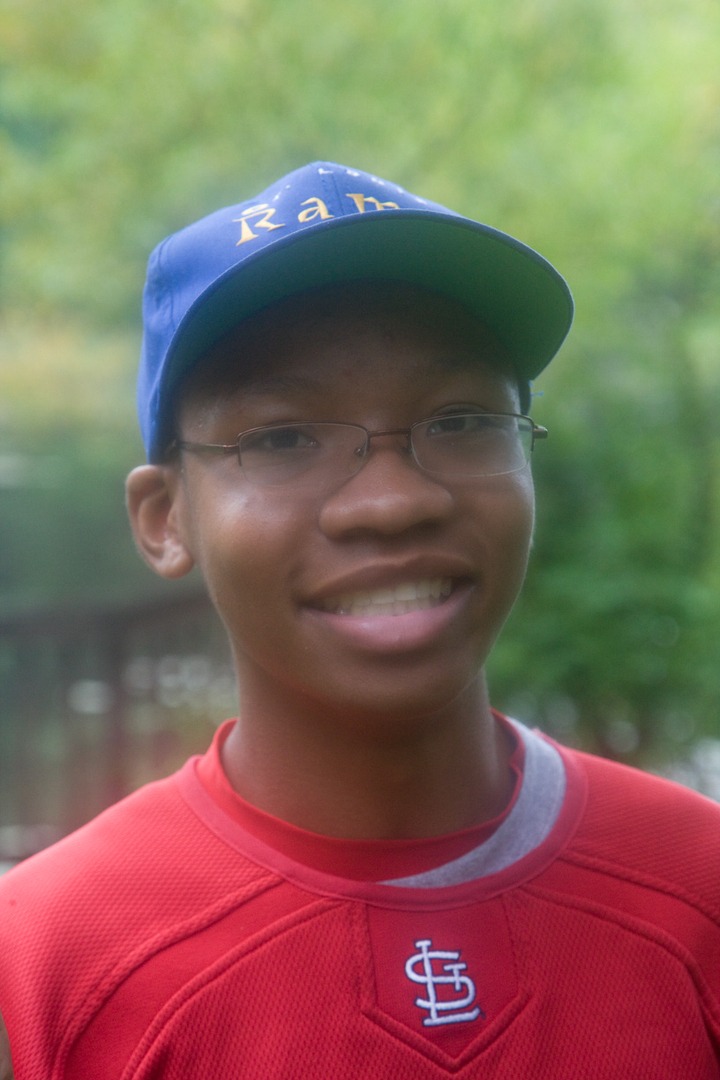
(450,993)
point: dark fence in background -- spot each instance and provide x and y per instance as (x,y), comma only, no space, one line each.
(96,701)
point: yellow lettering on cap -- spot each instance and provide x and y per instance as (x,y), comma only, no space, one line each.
(260,216)
(362,201)
(316,208)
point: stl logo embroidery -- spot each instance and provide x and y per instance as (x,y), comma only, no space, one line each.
(450,993)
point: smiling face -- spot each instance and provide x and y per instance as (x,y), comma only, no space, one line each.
(382,595)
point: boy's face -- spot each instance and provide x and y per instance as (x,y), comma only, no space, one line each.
(301,576)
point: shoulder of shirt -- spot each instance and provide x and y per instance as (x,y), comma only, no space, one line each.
(73,918)
(648,830)
(140,838)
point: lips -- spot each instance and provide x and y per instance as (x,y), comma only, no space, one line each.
(400,599)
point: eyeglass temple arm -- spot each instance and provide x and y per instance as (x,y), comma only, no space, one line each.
(218,448)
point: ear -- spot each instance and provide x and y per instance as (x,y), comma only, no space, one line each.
(153,494)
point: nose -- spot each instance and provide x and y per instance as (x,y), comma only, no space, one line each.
(388,496)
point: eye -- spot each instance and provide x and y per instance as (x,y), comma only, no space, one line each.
(274,440)
(461,424)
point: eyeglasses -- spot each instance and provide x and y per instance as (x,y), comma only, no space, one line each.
(451,446)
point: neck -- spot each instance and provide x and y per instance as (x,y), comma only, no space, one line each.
(371,777)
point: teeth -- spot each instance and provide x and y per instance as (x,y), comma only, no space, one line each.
(409,596)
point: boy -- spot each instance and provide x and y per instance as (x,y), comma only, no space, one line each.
(370,873)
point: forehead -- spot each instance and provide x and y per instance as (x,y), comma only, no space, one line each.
(347,333)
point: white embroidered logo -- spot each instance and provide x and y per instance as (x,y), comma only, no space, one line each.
(442,1009)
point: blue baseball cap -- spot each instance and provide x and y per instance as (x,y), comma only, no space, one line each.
(321,225)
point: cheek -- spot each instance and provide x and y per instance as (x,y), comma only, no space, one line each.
(511,504)
(506,520)
(244,549)
(522,524)
(526,509)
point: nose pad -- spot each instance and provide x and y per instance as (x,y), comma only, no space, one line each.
(365,453)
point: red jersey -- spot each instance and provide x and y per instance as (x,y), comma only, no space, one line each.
(182,934)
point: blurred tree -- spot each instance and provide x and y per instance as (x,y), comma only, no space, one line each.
(589,129)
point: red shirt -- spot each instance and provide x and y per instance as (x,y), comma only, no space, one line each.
(581,938)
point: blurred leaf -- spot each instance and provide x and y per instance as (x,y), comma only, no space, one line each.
(591,130)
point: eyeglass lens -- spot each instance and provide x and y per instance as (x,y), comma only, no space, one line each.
(472,444)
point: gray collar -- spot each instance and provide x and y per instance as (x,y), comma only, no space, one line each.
(527,825)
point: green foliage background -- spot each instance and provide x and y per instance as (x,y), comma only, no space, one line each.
(589,128)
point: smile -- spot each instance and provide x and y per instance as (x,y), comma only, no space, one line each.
(399,600)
